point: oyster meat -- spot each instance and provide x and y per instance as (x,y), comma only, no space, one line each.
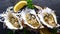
(13,20)
(31,19)
(48,18)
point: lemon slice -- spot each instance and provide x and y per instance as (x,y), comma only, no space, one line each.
(19,5)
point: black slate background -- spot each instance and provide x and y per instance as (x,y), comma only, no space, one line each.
(53,4)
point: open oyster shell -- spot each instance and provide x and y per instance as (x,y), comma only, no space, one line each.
(30,18)
(48,17)
(11,20)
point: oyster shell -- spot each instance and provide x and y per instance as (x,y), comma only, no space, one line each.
(31,19)
(12,21)
(48,17)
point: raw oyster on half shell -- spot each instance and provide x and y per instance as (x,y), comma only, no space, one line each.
(11,20)
(48,17)
(31,19)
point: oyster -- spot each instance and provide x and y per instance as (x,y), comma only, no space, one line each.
(48,17)
(31,19)
(12,21)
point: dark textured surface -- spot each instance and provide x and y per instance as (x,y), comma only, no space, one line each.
(53,4)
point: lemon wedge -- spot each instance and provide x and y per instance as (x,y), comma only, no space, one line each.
(19,5)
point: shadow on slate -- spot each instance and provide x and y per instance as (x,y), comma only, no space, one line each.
(53,4)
